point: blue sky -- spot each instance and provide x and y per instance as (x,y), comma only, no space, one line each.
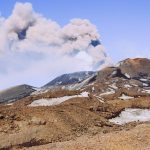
(123,25)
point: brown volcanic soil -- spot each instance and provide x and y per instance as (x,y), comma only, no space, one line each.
(136,67)
(137,138)
(23,126)
(82,123)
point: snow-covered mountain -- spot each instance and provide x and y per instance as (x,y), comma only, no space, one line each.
(70,79)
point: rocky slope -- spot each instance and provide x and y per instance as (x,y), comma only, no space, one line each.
(70,79)
(119,140)
(15,93)
(129,73)
(136,68)
(68,117)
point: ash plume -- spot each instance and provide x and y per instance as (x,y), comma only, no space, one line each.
(33,47)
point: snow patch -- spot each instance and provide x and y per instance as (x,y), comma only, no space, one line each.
(146,91)
(58,83)
(131,115)
(127,86)
(9,104)
(55,101)
(125,97)
(127,75)
(114,72)
(135,85)
(93,89)
(84,94)
(145,84)
(143,79)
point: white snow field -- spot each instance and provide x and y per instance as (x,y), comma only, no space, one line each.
(55,101)
(125,97)
(131,115)
(146,91)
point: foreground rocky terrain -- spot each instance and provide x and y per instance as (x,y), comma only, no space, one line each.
(91,113)
(134,139)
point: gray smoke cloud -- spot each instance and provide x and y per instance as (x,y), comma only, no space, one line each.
(34,48)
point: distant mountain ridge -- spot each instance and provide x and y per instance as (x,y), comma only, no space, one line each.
(15,93)
(71,78)
(130,70)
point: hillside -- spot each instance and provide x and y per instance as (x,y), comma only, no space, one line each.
(15,93)
(113,102)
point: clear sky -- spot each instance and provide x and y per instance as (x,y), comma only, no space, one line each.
(124,26)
